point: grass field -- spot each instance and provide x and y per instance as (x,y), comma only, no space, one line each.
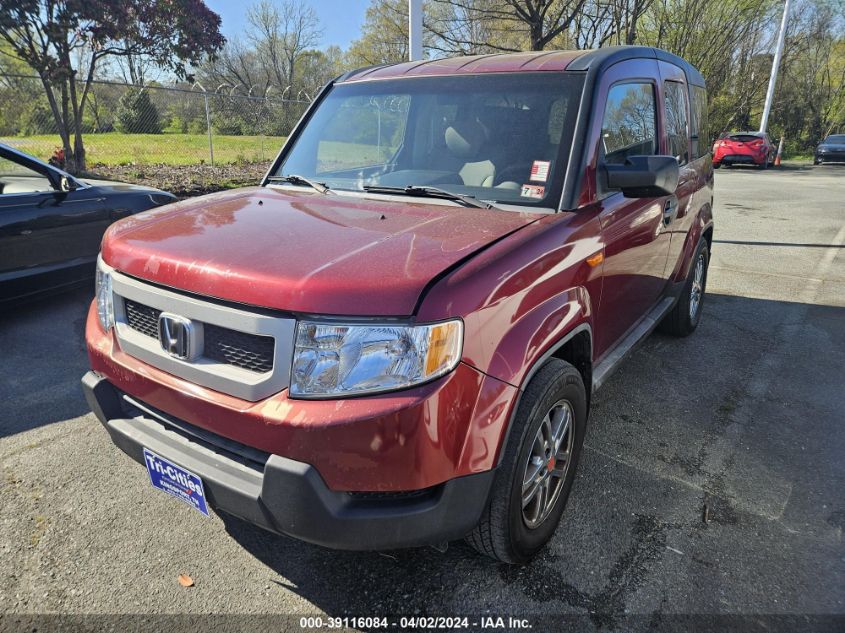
(114,148)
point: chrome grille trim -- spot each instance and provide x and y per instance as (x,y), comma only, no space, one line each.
(241,349)
(215,373)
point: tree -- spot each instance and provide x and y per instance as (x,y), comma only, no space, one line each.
(64,41)
(136,113)
(281,34)
(384,36)
(540,22)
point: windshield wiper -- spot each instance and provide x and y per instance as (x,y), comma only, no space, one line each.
(431,192)
(300,180)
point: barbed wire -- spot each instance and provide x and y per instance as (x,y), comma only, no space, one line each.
(182,124)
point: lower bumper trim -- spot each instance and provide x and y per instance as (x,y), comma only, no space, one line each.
(289,497)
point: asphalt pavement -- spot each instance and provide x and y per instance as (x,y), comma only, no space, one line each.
(712,482)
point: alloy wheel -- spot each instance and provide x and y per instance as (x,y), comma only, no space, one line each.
(697,289)
(547,465)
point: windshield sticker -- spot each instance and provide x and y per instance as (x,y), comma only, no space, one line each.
(540,170)
(532,191)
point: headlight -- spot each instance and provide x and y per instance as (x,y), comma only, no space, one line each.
(333,359)
(105,303)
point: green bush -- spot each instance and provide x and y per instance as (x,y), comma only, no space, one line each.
(37,119)
(136,113)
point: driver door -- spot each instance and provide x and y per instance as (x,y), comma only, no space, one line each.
(634,230)
(43,228)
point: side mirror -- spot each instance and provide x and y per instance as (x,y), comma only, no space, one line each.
(67,184)
(644,176)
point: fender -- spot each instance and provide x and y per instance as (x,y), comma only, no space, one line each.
(539,333)
(702,222)
(537,336)
(532,370)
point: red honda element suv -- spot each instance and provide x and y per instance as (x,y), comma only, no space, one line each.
(393,340)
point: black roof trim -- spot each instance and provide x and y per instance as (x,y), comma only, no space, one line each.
(604,57)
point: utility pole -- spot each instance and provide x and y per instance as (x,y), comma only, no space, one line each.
(415,45)
(770,93)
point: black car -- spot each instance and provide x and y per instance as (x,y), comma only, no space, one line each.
(51,223)
(832,149)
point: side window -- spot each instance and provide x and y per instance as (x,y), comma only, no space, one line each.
(675,96)
(700,129)
(629,127)
(17,178)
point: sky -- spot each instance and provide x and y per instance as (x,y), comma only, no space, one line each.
(341,20)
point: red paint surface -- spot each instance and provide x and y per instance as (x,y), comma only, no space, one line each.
(498,63)
(522,284)
(303,252)
(759,150)
(404,441)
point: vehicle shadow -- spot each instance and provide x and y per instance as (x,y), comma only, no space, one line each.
(43,348)
(673,437)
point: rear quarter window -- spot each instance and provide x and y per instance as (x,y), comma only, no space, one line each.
(675,100)
(700,145)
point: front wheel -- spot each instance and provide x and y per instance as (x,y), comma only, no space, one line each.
(683,318)
(536,471)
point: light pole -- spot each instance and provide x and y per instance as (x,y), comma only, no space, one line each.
(415,44)
(770,93)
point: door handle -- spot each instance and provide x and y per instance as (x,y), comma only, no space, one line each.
(670,209)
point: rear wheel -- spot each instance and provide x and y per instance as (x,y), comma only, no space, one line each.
(717,165)
(536,471)
(685,315)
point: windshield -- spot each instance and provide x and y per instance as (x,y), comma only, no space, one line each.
(497,137)
(835,138)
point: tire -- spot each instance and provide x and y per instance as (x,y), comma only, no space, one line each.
(508,530)
(764,165)
(717,165)
(817,161)
(682,319)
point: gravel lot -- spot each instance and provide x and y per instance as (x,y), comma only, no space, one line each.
(745,418)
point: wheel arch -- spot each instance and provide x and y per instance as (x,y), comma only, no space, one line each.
(574,347)
(702,227)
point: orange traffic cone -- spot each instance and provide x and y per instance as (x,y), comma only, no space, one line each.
(780,151)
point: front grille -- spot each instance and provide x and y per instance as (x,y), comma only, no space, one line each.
(141,318)
(252,352)
(249,351)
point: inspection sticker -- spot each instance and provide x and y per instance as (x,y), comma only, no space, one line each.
(176,481)
(540,170)
(532,191)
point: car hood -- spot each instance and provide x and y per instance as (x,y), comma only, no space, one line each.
(121,187)
(303,251)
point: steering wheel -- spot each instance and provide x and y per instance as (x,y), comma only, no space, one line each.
(514,173)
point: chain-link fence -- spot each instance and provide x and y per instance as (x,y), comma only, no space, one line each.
(175,125)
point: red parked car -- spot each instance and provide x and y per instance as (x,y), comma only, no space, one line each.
(393,341)
(744,148)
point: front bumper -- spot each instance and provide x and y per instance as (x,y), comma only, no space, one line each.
(828,155)
(412,439)
(286,496)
